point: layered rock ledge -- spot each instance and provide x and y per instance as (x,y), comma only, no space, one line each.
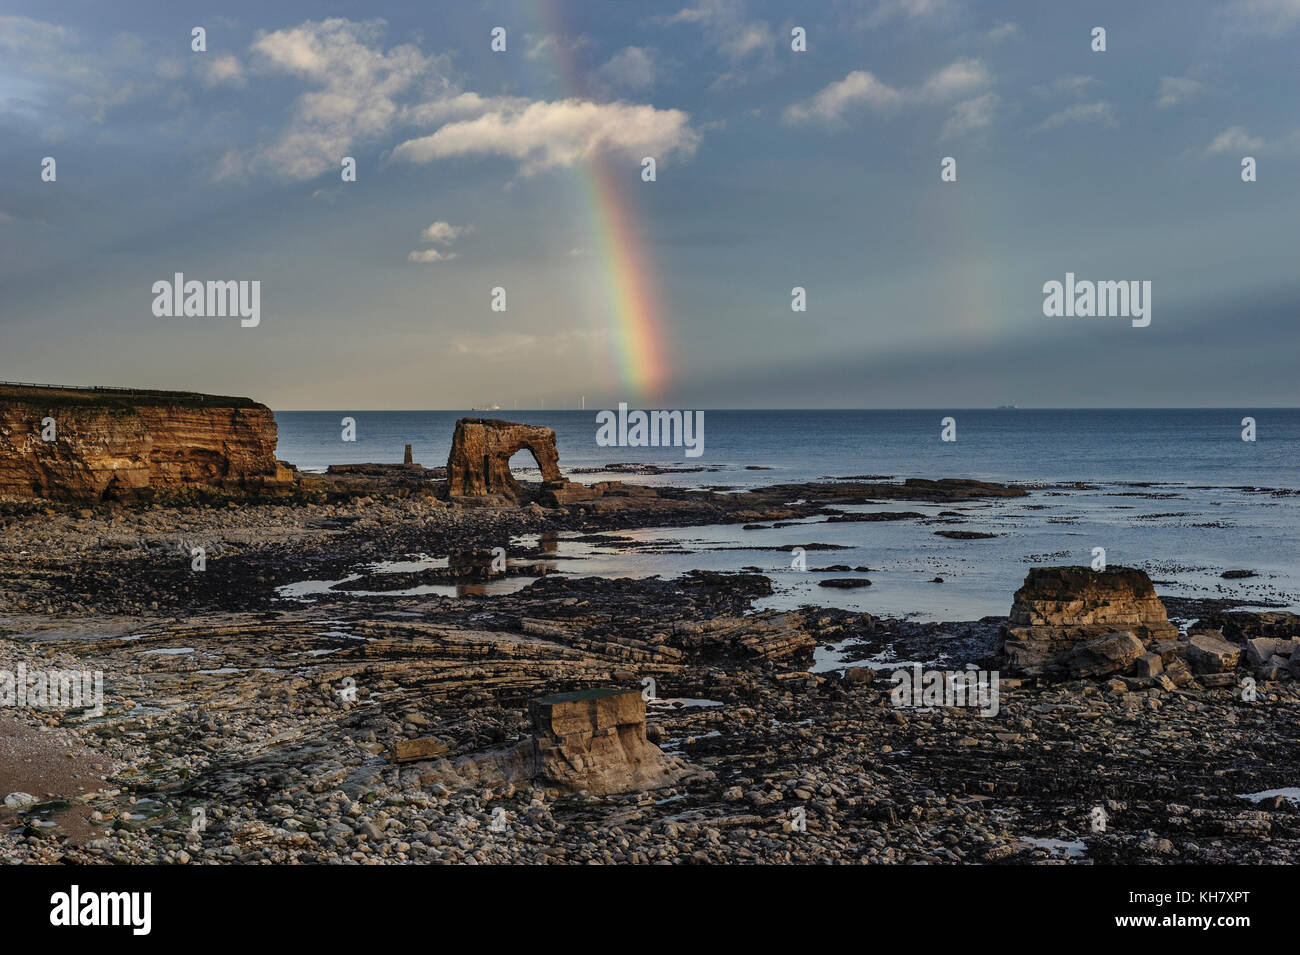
(91,444)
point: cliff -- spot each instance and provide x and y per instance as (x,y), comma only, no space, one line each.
(92,444)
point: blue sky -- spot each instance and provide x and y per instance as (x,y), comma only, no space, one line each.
(776,169)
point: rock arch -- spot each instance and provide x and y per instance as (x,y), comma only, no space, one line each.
(479,462)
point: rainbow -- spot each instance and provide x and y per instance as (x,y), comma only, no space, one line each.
(630,273)
(638,336)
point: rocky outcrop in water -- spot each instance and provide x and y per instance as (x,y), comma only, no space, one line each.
(479,462)
(93,444)
(1075,621)
(479,466)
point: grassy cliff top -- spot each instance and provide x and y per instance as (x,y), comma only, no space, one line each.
(55,395)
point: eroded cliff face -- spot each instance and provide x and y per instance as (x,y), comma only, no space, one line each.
(131,445)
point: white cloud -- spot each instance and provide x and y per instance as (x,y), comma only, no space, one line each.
(1098,112)
(456,106)
(223,70)
(829,105)
(932,11)
(439,233)
(66,74)
(356,89)
(1003,31)
(861,88)
(543,135)
(1175,90)
(1263,17)
(230,166)
(431,255)
(1071,85)
(632,68)
(750,38)
(360,93)
(551,45)
(1235,139)
(955,79)
(971,115)
(728,28)
(442,232)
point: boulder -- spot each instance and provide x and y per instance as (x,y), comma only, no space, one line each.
(414,750)
(1208,652)
(1261,649)
(1179,672)
(1101,655)
(593,740)
(1059,609)
(1217,681)
(1149,665)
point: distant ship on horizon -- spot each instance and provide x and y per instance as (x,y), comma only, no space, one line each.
(1007,407)
(492,407)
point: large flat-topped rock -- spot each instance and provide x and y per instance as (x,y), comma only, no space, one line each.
(587,712)
(592,740)
(1060,608)
(481,448)
(88,444)
(595,740)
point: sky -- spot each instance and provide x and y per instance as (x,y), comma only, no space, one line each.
(522,169)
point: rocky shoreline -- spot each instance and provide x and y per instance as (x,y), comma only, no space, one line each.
(372,724)
(223,697)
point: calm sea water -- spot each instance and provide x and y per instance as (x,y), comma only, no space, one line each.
(1219,503)
(1198,446)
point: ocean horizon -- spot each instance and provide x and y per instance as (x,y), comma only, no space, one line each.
(1201,445)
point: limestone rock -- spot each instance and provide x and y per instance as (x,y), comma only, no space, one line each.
(1102,655)
(1261,649)
(128,445)
(595,740)
(1217,681)
(1208,652)
(481,448)
(1061,609)
(564,492)
(1179,672)
(1149,665)
(412,750)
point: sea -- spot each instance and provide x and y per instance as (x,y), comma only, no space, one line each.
(1176,492)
